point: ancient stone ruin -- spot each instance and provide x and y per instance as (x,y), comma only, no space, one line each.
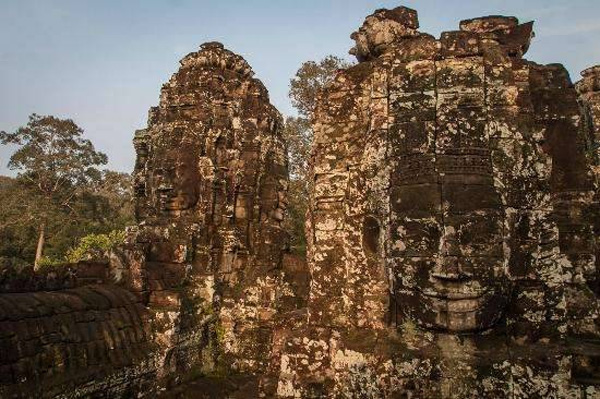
(196,288)
(588,89)
(453,222)
(211,180)
(452,237)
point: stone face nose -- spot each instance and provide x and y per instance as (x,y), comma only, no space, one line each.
(449,245)
(450,266)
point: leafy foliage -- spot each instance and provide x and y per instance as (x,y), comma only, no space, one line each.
(18,221)
(53,154)
(95,246)
(46,262)
(310,79)
(59,195)
(298,136)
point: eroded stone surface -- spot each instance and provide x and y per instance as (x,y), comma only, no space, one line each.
(204,266)
(451,238)
(453,220)
(74,343)
(211,181)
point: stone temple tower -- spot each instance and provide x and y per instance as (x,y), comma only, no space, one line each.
(210,194)
(452,221)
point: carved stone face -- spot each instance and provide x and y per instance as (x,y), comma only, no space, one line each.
(381,29)
(372,37)
(178,179)
(447,251)
(361,48)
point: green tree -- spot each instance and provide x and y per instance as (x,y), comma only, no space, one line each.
(117,189)
(55,163)
(16,222)
(310,79)
(304,89)
(97,209)
(95,246)
(298,137)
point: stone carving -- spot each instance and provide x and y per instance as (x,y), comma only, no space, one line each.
(447,237)
(451,237)
(204,261)
(453,219)
(212,162)
(211,181)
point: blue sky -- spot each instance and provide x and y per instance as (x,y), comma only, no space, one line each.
(102,62)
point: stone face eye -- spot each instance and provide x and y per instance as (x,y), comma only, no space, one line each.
(371,233)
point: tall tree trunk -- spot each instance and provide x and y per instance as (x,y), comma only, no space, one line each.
(40,245)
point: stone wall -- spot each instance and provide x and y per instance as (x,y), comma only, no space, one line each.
(76,342)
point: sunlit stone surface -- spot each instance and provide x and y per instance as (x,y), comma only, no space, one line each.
(452,237)
(453,221)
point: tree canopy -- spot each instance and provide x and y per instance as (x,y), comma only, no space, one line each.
(60,193)
(310,79)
